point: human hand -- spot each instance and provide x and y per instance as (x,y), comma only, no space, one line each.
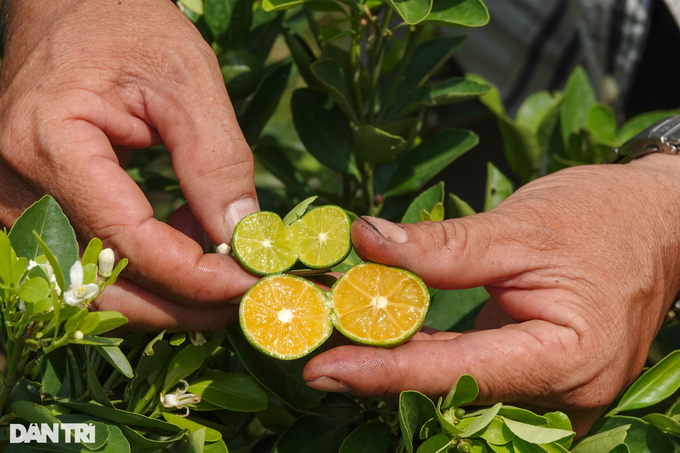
(99,79)
(581,267)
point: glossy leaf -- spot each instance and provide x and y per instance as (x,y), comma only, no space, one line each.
(196,441)
(426,200)
(107,321)
(277,5)
(97,341)
(46,218)
(458,13)
(536,434)
(96,391)
(433,155)
(464,391)
(498,187)
(578,99)
(369,438)
(264,103)
(601,122)
(34,290)
(54,262)
(655,385)
(534,110)
(274,375)
(183,363)
(519,414)
(312,435)
(52,371)
(640,437)
(120,416)
(439,443)
(455,310)
(638,123)
(211,435)
(325,132)
(664,423)
(141,444)
(482,422)
(298,211)
(231,391)
(458,208)
(376,146)
(303,57)
(91,253)
(116,358)
(412,11)
(497,432)
(414,410)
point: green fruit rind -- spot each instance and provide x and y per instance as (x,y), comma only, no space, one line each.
(382,343)
(251,339)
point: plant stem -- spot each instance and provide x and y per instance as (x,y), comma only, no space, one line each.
(376,63)
(355,55)
(15,359)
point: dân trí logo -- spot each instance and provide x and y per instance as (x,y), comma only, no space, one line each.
(73,433)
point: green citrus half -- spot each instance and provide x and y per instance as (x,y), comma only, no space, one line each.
(285,316)
(261,244)
(321,237)
(379,305)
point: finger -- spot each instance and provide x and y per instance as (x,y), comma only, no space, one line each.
(532,363)
(209,154)
(183,220)
(149,312)
(462,253)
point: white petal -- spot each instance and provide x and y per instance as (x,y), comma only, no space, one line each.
(77,274)
(70,298)
(90,290)
(106,261)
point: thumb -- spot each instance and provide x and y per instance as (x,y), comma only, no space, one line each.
(483,249)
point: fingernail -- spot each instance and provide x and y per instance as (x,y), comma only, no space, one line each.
(236,211)
(328,384)
(390,231)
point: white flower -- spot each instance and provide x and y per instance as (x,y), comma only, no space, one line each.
(180,399)
(106,259)
(79,292)
(197,338)
(49,271)
(223,249)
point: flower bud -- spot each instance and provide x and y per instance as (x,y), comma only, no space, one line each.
(197,338)
(78,335)
(106,259)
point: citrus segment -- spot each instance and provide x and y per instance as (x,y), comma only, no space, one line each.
(379,305)
(321,237)
(285,316)
(261,244)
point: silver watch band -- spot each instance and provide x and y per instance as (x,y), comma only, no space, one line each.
(661,137)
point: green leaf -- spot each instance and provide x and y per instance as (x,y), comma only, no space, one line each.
(278,164)
(439,443)
(536,434)
(640,437)
(108,320)
(602,123)
(455,310)
(277,5)
(303,57)
(89,273)
(231,391)
(91,253)
(97,393)
(497,432)
(298,211)
(534,110)
(33,413)
(178,338)
(116,358)
(264,103)
(522,149)
(196,441)
(116,271)
(183,363)
(458,208)
(414,410)
(229,21)
(312,435)
(638,123)
(655,385)
(498,187)
(74,321)
(148,349)
(664,423)
(436,215)
(458,13)
(368,438)
(433,155)
(412,11)
(519,414)
(279,378)
(446,420)
(377,146)
(6,261)
(120,416)
(54,262)
(34,290)
(89,323)
(97,341)
(482,422)
(52,371)
(426,200)
(325,132)
(323,6)
(141,444)
(47,219)
(329,33)
(211,435)
(22,391)
(578,99)
(464,391)
(457,89)
(195,6)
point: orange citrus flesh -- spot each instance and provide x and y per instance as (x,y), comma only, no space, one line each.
(379,305)
(285,316)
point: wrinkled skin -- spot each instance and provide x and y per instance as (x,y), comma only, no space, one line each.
(100,79)
(581,266)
